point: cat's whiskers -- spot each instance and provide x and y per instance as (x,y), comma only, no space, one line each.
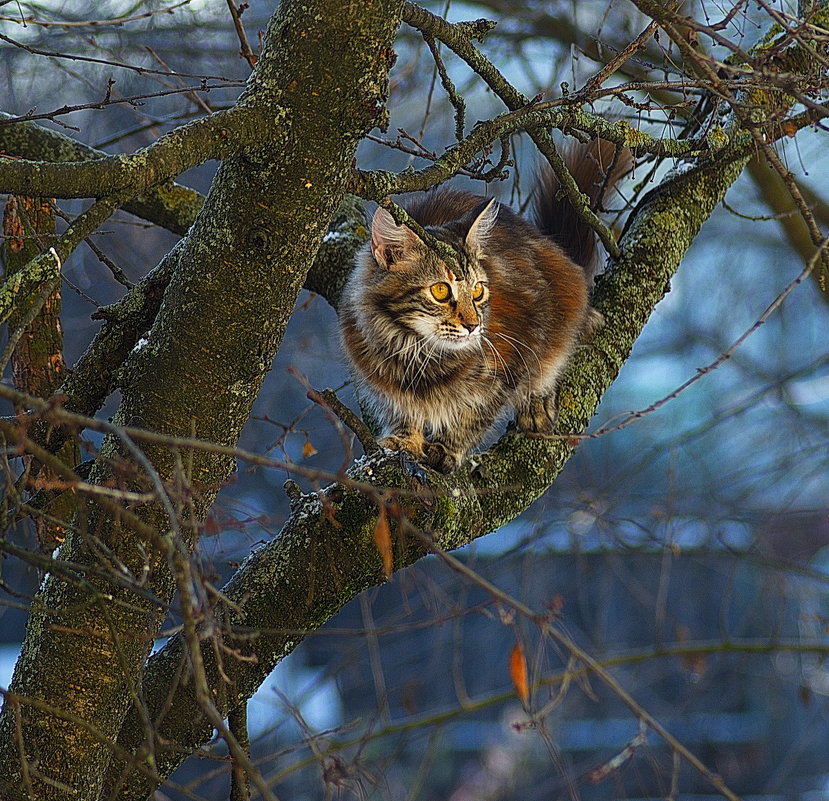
(435,342)
(493,370)
(498,358)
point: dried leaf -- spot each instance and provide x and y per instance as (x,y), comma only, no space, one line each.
(308,449)
(382,539)
(518,673)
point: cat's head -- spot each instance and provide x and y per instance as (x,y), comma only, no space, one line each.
(444,302)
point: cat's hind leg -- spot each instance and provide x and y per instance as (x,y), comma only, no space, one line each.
(535,413)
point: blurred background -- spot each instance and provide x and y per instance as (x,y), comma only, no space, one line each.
(686,550)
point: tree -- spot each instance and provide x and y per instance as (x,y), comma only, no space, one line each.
(87,714)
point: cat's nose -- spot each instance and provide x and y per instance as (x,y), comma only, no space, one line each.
(470,326)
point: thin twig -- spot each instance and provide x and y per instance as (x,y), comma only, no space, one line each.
(111,101)
(457,101)
(593,665)
(246,52)
(191,93)
(94,23)
(35,51)
(117,273)
(328,400)
(615,63)
(446,251)
(721,359)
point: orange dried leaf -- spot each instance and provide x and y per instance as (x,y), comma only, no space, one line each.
(518,673)
(308,449)
(382,539)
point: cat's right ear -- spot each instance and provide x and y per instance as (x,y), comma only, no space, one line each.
(481,226)
(389,241)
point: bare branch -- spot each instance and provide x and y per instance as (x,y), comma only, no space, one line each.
(220,135)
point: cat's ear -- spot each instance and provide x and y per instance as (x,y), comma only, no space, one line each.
(389,241)
(481,226)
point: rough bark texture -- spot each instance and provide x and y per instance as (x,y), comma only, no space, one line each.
(199,374)
(220,135)
(170,205)
(37,360)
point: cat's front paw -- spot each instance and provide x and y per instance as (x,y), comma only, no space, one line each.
(412,443)
(536,416)
(432,454)
(437,456)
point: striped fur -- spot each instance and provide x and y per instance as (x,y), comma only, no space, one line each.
(437,370)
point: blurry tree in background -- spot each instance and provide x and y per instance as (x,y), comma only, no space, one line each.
(653,626)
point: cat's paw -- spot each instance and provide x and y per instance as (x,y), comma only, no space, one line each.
(432,454)
(436,455)
(536,416)
(412,443)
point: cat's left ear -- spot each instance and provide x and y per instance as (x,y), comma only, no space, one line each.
(389,241)
(482,225)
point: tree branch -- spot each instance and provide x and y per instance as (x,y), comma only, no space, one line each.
(219,136)
(169,205)
(377,184)
(45,268)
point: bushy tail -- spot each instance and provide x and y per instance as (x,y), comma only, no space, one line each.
(596,168)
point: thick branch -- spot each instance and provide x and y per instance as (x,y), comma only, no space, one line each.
(169,205)
(218,136)
(378,184)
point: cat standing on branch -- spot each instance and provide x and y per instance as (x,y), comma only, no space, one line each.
(440,348)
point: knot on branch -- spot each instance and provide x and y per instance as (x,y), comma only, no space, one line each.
(476,29)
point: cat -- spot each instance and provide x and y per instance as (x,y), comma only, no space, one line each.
(438,350)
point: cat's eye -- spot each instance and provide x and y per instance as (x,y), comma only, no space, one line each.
(478,291)
(440,291)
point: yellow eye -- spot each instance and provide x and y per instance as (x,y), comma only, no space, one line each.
(478,291)
(440,291)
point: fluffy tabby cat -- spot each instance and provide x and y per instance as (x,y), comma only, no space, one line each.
(438,351)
